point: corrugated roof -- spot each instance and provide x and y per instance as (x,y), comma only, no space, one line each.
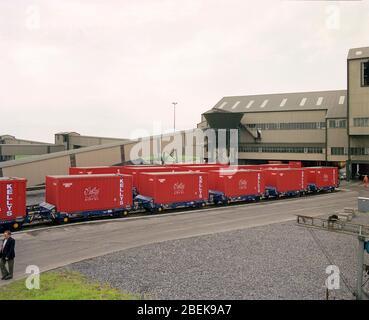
(358,53)
(335,102)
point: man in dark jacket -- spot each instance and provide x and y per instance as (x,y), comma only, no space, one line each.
(7,255)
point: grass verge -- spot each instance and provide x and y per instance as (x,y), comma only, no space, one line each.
(63,285)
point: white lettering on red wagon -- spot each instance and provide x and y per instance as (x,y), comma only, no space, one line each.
(242,184)
(178,188)
(91,194)
(9,200)
(302,179)
(121,192)
(200,187)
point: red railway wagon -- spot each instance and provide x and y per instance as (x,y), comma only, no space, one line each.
(165,190)
(322,178)
(96,170)
(195,164)
(235,185)
(263,166)
(12,201)
(295,164)
(284,181)
(89,194)
(135,172)
(204,168)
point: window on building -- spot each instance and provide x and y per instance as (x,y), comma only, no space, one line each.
(314,150)
(361,122)
(358,151)
(365,74)
(248,149)
(288,126)
(337,123)
(338,151)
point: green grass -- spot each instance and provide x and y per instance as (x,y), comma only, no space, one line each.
(63,285)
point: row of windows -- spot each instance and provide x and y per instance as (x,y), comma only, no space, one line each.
(337,123)
(361,122)
(340,151)
(276,149)
(287,126)
(365,74)
(335,151)
(360,151)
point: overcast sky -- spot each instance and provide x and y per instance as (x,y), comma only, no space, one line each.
(111,67)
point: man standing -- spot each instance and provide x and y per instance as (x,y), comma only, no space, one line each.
(7,255)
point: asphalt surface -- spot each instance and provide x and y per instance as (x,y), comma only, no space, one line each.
(56,247)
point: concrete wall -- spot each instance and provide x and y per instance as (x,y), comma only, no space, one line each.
(337,138)
(8,139)
(358,97)
(28,149)
(104,157)
(286,136)
(73,140)
(35,170)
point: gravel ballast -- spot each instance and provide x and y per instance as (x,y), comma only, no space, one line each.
(279,261)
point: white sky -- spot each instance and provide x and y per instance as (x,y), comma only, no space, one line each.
(111,67)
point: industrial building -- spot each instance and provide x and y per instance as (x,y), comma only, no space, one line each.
(326,127)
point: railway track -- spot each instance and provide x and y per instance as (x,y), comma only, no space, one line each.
(136,214)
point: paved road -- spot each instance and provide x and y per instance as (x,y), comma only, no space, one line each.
(56,247)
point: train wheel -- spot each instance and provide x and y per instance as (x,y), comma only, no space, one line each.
(203,204)
(16,226)
(159,209)
(122,214)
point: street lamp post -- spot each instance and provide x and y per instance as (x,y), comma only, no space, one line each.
(174,125)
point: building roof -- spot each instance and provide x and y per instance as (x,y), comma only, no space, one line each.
(335,102)
(358,53)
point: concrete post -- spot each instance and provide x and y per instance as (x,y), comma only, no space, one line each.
(360,254)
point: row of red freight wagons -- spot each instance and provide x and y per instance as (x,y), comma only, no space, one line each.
(174,187)
(135,171)
(114,191)
(282,180)
(166,187)
(77,193)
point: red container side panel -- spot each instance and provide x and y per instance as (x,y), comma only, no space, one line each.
(194,164)
(135,172)
(295,164)
(12,199)
(204,168)
(96,170)
(322,177)
(235,183)
(174,187)
(264,166)
(78,193)
(285,180)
